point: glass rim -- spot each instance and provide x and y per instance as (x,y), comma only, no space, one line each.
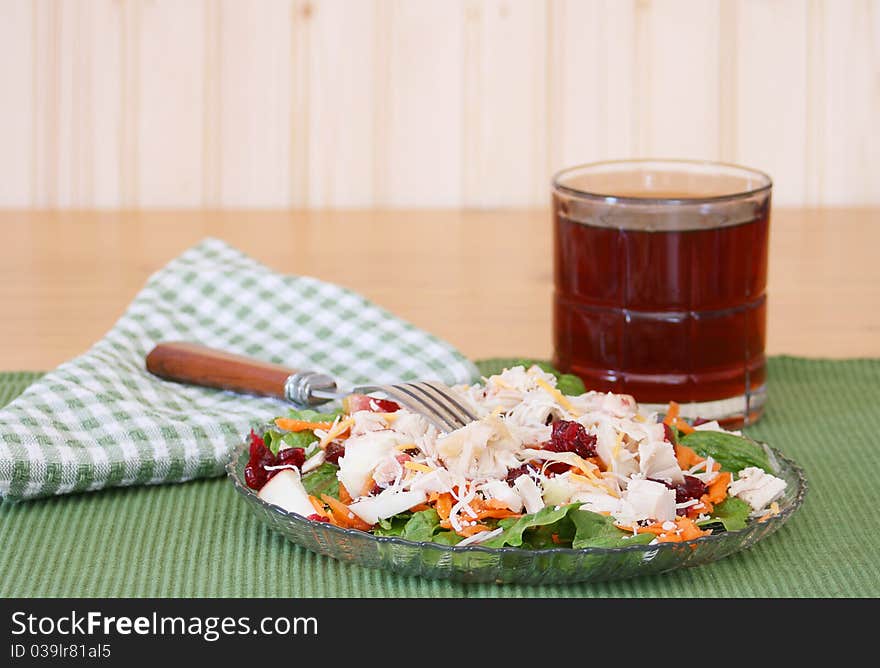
(684,201)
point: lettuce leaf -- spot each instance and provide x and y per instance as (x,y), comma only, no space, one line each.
(322,480)
(309,415)
(392,526)
(447,538)
(565,382)
(570,525)
(595,530)
(734,453)
(732,514)
(294,439)
(553,526)
(422,526)
(570,385)
(297,439)
(515,528)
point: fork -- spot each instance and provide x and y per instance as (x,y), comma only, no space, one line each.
(195,364)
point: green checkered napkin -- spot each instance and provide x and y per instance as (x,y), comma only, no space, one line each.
(101,420)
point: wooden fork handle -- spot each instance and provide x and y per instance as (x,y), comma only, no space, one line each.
(195,364)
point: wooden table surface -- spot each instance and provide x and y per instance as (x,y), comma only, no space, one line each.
(482,280)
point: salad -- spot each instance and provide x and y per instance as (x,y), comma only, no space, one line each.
(546,464)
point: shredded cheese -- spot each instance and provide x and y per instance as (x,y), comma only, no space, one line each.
(415,466)
(337,429)
(616,449)
(556,394)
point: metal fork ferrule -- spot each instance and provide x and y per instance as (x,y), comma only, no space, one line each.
(299,386)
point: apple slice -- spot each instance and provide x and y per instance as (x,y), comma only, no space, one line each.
(286,491)
(362,402)
(386,504)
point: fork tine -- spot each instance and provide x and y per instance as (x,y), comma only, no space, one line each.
(452,407)
(418,404)
(432,402)
(463,413)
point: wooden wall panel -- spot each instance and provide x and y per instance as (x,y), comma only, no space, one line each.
(475,103)
(419,116)
(254,84)
(592,100)
(17,113)
(343,114)
(770,93)
(847,37)
(677,65)
(172,84)
(506,103)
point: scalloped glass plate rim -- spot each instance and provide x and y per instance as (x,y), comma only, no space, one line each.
(779,519)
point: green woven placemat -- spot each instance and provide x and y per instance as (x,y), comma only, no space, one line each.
(198,538)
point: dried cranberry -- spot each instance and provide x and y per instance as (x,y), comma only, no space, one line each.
(385,405)
(668,434)
(698,421)
(317,518)
(257,444)
(333,452)
(363,402)
(254,477)
(513,474)
(691,488)
(294,456)
(557,467)
(255,473)
(568,436)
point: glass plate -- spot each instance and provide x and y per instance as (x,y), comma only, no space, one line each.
(474,563)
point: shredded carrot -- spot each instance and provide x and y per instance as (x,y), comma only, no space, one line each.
(671,413)
(369,483)
(289,424)
(683,426)
(598,462)
(495,503)
(334,521)
(772,512)
(444,504)
(686,457)
(493,508)
(685,529)
(337,430)
(420,507)
(318,506)
(718,488)
(472,529)
(344,496)
(689,528)
(343,515)
(496,513)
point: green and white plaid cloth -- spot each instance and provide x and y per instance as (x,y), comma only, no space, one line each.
(102,420)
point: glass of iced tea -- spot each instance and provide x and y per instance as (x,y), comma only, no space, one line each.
(660,275)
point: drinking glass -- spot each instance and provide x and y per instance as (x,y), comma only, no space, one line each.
(660,274)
